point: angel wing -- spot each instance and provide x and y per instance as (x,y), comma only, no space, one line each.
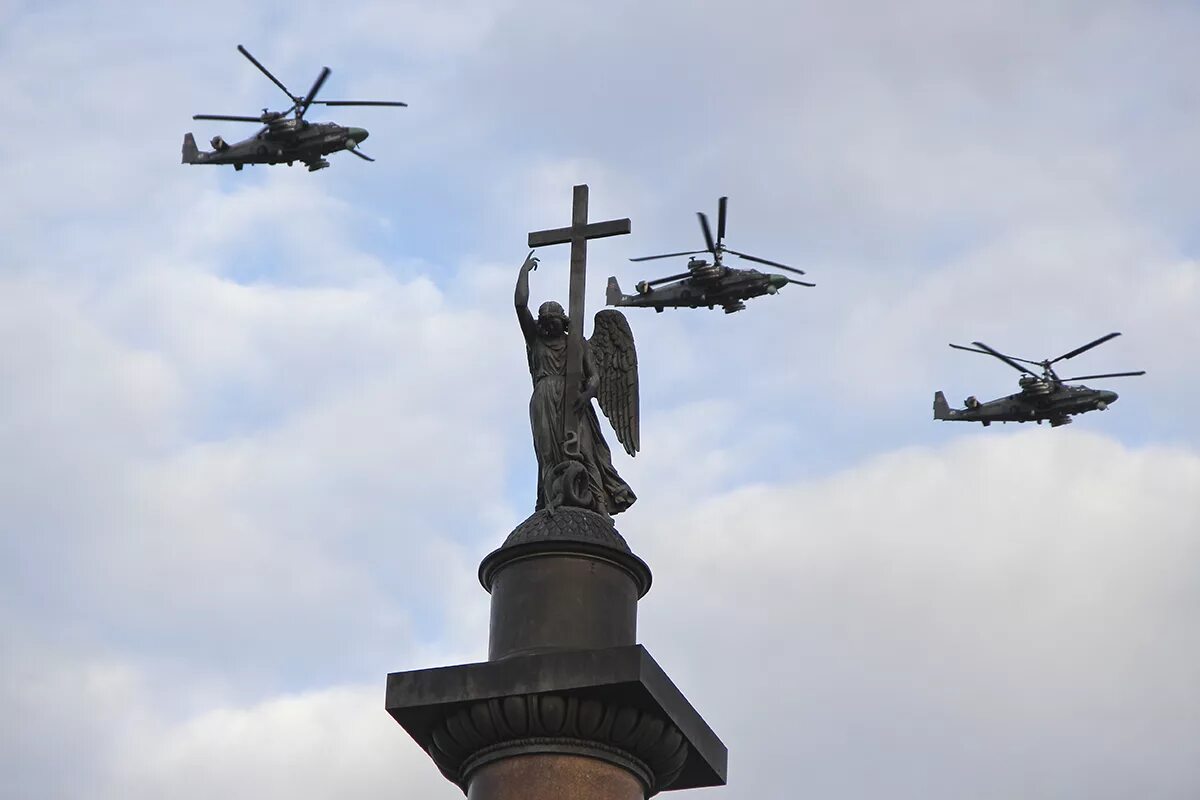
(616,362)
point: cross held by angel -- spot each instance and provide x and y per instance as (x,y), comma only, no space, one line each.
(574,462)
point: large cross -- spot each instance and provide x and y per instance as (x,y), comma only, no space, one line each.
(578,234)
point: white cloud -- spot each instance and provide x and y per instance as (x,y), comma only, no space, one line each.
(988,619)
(87,726)
(334,743)
(207,462)
(260,426)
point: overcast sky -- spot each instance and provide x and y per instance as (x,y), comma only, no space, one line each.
(260,427)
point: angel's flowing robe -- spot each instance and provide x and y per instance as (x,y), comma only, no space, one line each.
(547,367)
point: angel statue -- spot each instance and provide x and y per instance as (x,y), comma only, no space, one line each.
(575,468)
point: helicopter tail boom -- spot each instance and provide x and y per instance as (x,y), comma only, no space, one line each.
(191,153)
(941,409)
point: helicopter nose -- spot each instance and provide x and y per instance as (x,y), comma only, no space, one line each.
(357,134)
(1108,397)
(777,281)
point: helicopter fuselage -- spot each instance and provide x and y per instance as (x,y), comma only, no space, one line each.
(284,141)
(1038,401)
(724,286)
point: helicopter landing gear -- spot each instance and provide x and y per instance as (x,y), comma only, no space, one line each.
(238,167)
(320,163)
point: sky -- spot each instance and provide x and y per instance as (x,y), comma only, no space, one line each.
(261,426)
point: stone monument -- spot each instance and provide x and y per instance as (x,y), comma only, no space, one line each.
(568,704)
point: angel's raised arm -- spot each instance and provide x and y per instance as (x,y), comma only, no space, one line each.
(521,299)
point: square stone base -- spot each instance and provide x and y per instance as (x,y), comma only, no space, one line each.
(627,676)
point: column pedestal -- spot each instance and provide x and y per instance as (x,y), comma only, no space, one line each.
(567,705)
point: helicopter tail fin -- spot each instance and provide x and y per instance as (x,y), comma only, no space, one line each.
(191,153)
(613,296)
(941,409)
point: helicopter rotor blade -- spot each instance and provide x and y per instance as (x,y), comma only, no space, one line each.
(669,255)
(712,247)
(1002,357)
(800,283)
(316,87)
(360,154)
(657,281)
(1106,375)
(721,206)
(986,353)
(267,72)
(229,117)
(359,103)
(765,261)
(1087,346)
(970,349)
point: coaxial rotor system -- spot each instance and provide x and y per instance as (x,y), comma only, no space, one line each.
(1048,374)
(716,247)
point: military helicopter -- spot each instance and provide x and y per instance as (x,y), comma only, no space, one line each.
(1042,397)
(705,284)
(285,139)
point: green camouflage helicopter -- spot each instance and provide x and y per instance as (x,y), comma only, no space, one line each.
(1044,397)
(705,284)
(284,139)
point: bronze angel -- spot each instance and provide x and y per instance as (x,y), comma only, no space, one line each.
(577,470)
